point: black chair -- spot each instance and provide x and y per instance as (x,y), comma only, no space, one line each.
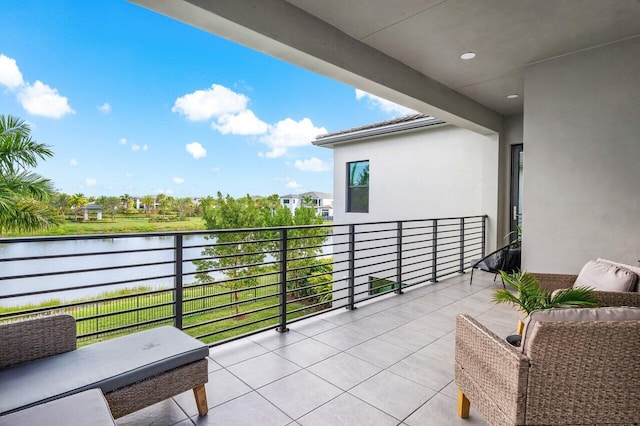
(505,259)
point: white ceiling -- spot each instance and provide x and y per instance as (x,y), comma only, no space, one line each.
(430,35)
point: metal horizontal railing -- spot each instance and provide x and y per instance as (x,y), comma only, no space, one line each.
(221,284)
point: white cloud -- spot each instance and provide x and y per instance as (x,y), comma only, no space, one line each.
(10,74)
(196,150)
(313,164)
(122,141)
(292,184)
(289,133)
(178,180)
(40,99)
(215,169)
(243,123)
(128,175)
(164,191)
(135,147)
(289,183)
(205,104)
(383,104)
(105,108)
(73,162)
(90,181)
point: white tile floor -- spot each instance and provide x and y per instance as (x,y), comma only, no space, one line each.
(389,362)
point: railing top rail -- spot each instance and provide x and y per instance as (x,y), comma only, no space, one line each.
(7,240)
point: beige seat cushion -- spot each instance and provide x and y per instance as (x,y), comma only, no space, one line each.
(606,277)
(575,314)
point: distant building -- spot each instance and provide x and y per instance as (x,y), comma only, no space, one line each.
(322,202)
(92,207)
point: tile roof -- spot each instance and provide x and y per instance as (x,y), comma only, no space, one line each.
(397,120)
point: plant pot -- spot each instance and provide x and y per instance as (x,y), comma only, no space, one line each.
(514,339)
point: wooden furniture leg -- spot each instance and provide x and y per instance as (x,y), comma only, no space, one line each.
(201,400)
(463,405)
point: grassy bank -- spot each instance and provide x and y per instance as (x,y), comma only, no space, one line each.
(206,311)
(120,225)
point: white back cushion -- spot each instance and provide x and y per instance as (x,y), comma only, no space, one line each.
(606,277)
(634,269)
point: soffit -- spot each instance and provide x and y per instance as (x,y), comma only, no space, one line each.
(430,35)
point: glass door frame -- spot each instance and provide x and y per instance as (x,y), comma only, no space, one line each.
(515,207)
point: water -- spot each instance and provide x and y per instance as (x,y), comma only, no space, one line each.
(122,269)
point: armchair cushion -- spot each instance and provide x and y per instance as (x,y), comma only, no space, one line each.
(606,277)
(572,315)
(634,269)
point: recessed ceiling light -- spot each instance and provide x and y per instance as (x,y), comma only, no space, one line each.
(515,95)
(468,55)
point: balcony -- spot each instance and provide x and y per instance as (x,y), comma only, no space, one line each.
(388,362)
(363,332)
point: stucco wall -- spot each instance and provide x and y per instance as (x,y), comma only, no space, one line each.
(439,172)
(436,172)
(582,159)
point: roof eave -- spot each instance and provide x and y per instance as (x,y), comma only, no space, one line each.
(330,141)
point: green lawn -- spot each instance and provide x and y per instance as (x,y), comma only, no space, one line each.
(117,313)
(120,225)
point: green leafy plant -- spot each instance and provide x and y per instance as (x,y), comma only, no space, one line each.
(529,296)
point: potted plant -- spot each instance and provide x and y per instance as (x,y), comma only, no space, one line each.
(529,296)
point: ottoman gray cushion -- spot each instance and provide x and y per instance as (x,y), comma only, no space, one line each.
(88,408)
(106,365)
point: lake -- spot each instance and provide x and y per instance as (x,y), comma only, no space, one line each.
(124,270)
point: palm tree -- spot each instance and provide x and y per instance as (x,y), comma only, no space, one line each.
(307,201)
(76,201)
(148,201)
(24,195)
(127,201)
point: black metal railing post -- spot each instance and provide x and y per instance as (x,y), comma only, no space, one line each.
(351,303)
(177,308)
(282,327)
(461,245)
(399,258)
(484,236)
(434,252)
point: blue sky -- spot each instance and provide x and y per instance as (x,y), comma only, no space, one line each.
(134,102)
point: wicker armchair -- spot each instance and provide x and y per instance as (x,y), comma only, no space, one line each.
(573,373)
(551,282)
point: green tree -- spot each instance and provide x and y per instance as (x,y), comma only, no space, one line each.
(24,195)
(166,204)
(185,207)
(148,202)
(307,272)
(232,253)
(307,201)
(127,202)
(76,201)
(109,205)
(60,201)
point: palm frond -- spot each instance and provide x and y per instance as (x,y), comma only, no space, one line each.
(575,296)
(529,296)
(23,193)
(25,214)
